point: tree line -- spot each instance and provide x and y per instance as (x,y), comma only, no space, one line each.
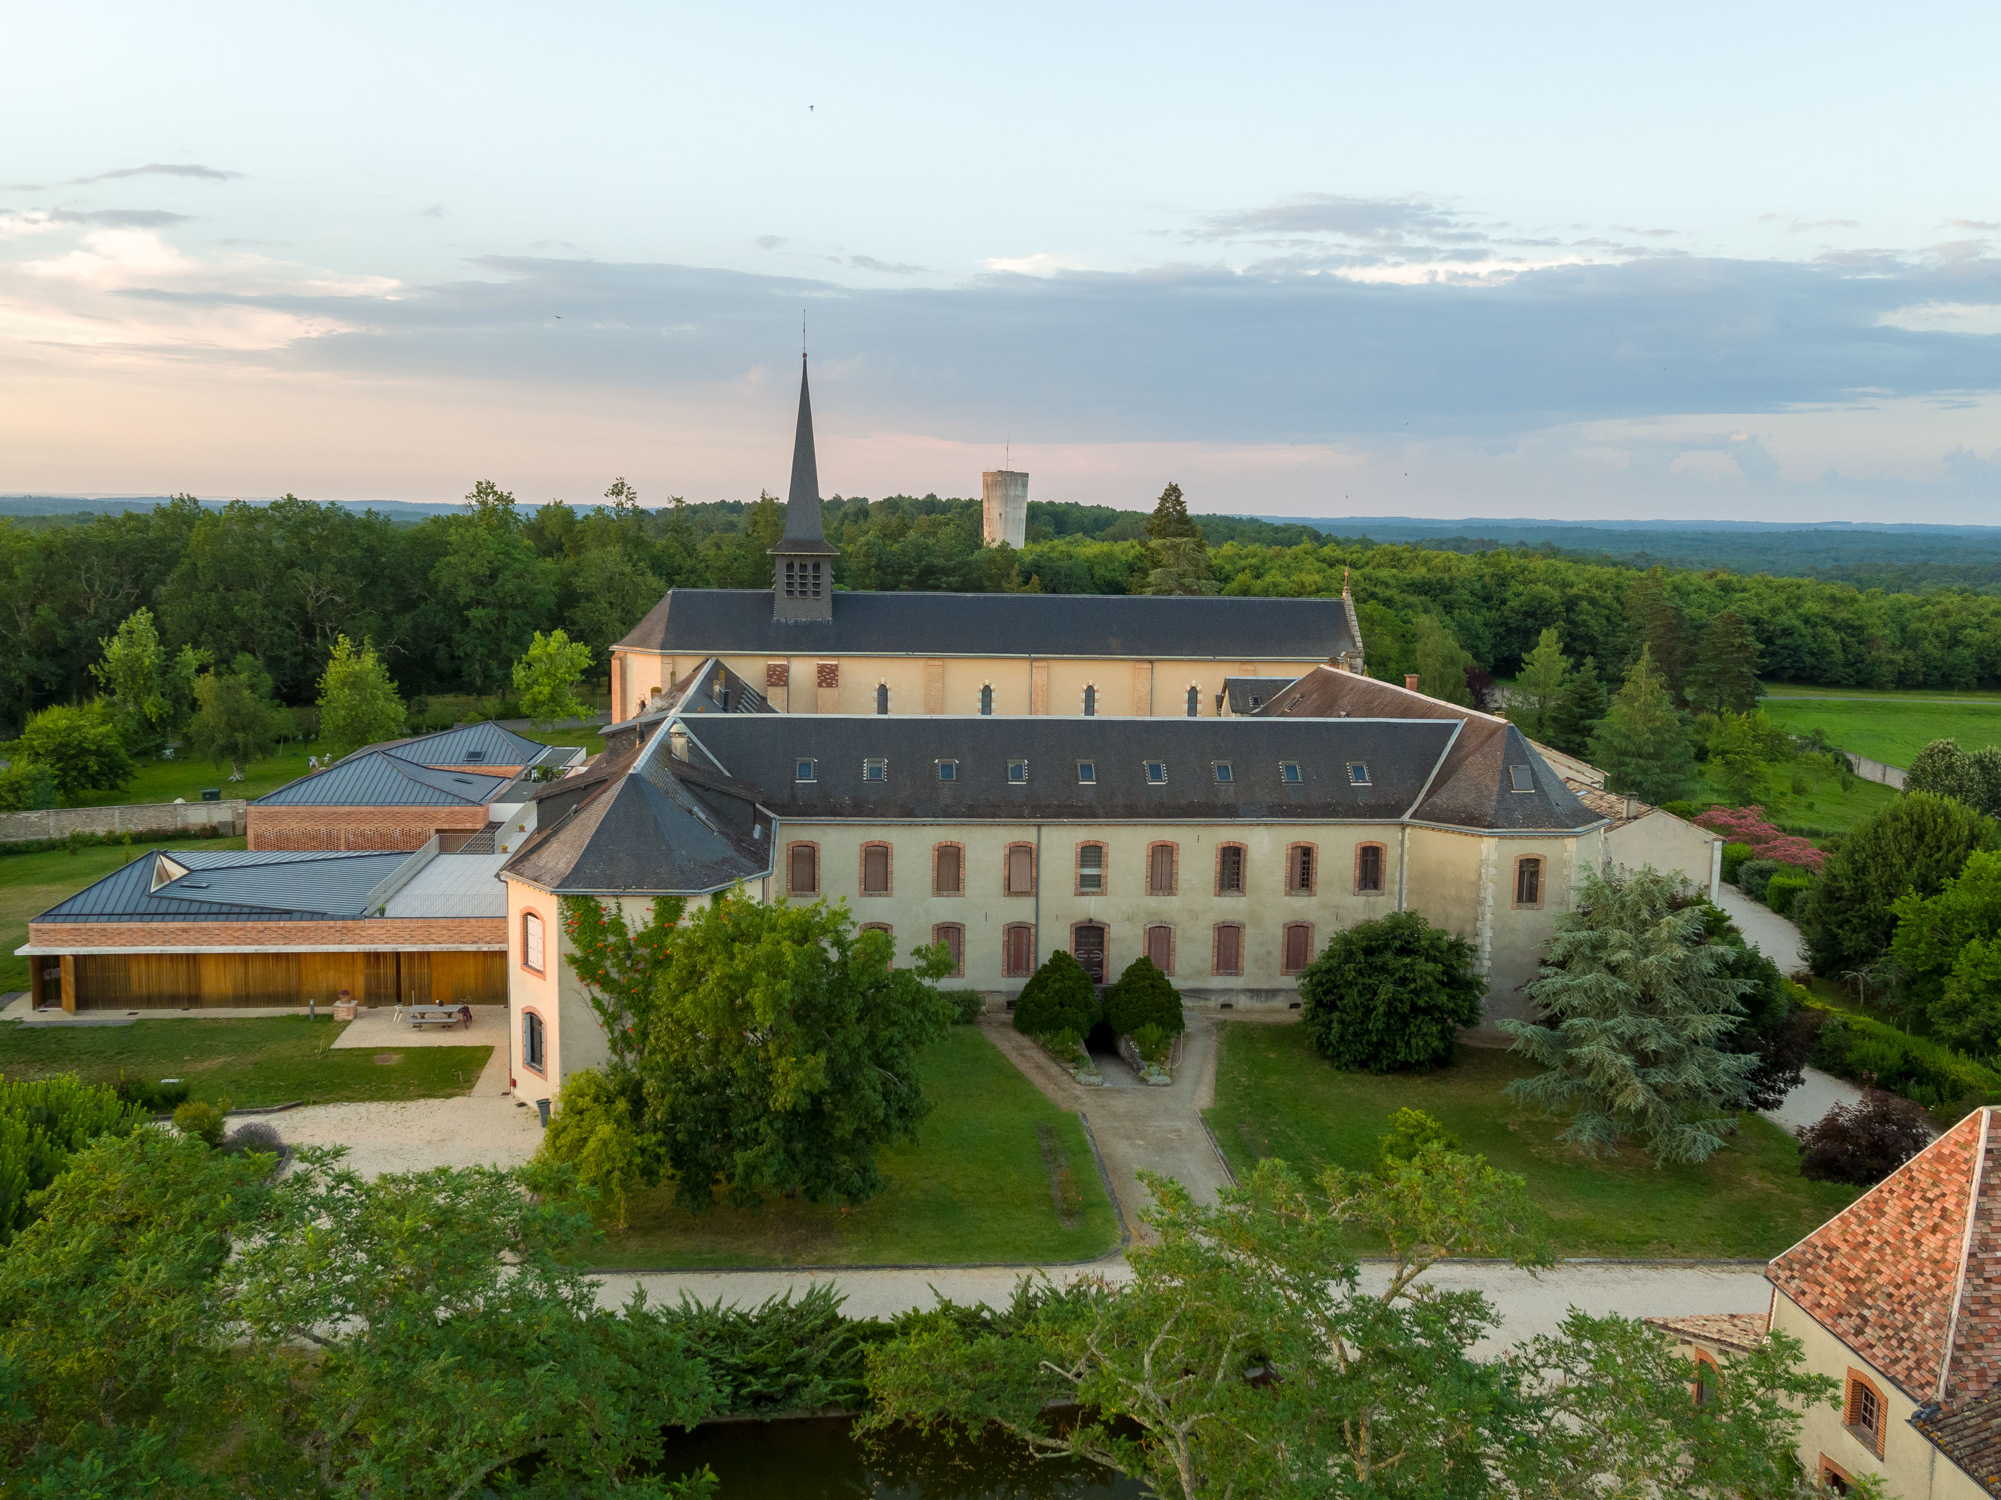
(452,601)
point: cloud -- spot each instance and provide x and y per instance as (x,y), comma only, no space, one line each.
(1650,234)
(435,211)
(1984,225)
(884,267)
(1379,219)
(769,241)
(21,222)
(1794,225)
(191,170)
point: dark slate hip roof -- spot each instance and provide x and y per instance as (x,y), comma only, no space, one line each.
(1147,626)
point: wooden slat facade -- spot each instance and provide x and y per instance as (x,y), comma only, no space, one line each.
(172,981)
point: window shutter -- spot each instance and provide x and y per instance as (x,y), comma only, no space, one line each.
(875,870)
(1160,870)
(1229,949)
(1020,870)
(1160,947)
(948,882)
(805,877)
(1297,942)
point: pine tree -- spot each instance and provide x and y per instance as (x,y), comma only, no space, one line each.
(1642,743)
(1170,518)
(1177,555)
(1536,699)
(1723,679)
(1634,1002)
(1440,662)
(1580,709)
(1663,629)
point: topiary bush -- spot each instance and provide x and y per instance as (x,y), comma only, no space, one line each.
(1058,997)
(1734,857)
(1754,875)
(202,1120)
(255,1135)
(1391,994)
(1864,1142)
(1143,997)
(1783,890)
(1410,1131)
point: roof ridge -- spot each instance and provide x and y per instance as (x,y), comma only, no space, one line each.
(1826,1224)
(1978,1176)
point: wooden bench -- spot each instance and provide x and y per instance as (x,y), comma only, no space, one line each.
(435,1015)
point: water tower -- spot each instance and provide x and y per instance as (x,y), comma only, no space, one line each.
(1003,507)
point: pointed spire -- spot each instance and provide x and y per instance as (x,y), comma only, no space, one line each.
(803,532)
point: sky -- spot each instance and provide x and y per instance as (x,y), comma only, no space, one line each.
(1574,261)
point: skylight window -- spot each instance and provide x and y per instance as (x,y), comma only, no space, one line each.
(1521,779)
(1087,773)
(804,769)
(1017,772)
(1289,772)
(475,756)
(948,770)
(1225,771)
(1156,772)
(875,768)
(1358,773)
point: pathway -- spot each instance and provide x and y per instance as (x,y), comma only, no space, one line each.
(486,1128)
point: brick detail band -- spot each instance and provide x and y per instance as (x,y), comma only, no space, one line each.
(382,933)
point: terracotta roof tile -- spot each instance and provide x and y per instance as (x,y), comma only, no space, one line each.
(1739,1331)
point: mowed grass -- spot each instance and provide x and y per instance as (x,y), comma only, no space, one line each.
(1824,808)
(1276,1097)
(978,1187)
(250,1061)
(31,883)
(1889,729)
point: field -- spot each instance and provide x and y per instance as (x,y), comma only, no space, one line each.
(1824,808)
(1276,1097)
(998,1174)
(250,1061)
(1891,729)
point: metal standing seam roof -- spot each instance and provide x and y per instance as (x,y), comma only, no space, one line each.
(384,778)
(230,885)
(495,744)
(1215,627)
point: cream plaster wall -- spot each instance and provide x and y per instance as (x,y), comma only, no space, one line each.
(1667,843)
(528,990)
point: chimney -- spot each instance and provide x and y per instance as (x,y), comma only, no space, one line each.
(1410,681)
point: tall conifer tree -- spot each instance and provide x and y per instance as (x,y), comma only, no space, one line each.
(1536,699)
(1642,744)
(1723,679)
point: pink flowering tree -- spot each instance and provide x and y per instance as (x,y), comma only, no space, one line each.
(1749,825)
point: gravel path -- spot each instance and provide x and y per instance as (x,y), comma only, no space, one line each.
(484,1128)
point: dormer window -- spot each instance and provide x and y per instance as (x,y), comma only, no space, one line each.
(1358,773)
(804,577)
(948,770)
(1520,779)
(1225,772)
(1289,772)
(875,768)
(1017,772)
(804,769)
(1087,773)
(1156,772)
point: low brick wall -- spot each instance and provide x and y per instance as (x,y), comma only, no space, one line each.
(155,819)
(357,828)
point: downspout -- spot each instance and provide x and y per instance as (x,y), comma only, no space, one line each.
(1403,863)
(1035,906)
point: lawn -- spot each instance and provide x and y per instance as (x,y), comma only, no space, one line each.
(998,1174)
(1889,729)
(251,1061)
(31,883)
(1824,808)
(1276,1097)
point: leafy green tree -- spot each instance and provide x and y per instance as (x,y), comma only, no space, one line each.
(1946,948)
(1742,748)
(1634,1004)
(1391,994)
(492,587)
(359,705)
(44,1122)
(1579,710)
(80,747)
(27,787)
(1910,848)
(621,965)
(1440,662)
(141,683)
(1642,742)
(233,722)
(1537,695)
(1143,996)
(1723,677)
(598,1136)
(1180,566)
(608,592)
(1058,999)
(780,1051)
(547,677)
(1972,777)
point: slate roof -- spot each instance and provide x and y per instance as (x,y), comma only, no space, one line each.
(385,778)
(469,744)
(231,885)
(1211,628)
(1970,1436)
(803,532)
(1249,694)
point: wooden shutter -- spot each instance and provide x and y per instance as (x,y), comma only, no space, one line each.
(1229,949)
(804,877)
(1160,947)
(1298,946)
(531,940)
(949,881)
(1020,870)
(1160,870)
(953,936)
(1020,949)
(875,869)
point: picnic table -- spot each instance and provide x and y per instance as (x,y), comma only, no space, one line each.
(435,1015)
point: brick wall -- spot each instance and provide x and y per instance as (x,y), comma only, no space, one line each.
(386,932)
(340,828)
(161,819)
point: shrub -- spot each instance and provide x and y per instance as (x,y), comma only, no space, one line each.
(1867,1051)
(1143,996)
(1863,1142)
(1749,825)
(1155,1043)
(27,787)
(786,1354)
(255,1135)
(1754,875)
(1782,891)
(1410,1131)
(1390,994)
(202,1120)
(1734,855)
(156,1098)
(966,1005)
(43,1123)
(1058,997)
(595,1139)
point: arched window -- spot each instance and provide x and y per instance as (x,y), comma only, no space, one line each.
(986,698)
(1090,700)
(882,697)
(1018,950)
(1230,869)
(953,937)
(1162,860)
(1863,1410)
(1703,1388)
(1226,949)
(1528,880)
(1020,870)
(1194,701)
(1369,865)
(948,870)
(1160,946)
(875,869)
(1090,869)
(531,941)
(532,1042)
(1296,948)
(1301,869)
(802,869)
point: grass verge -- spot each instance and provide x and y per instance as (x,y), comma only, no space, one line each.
(251,1061)
(1888,729)
(1276,1097)
(977,1187)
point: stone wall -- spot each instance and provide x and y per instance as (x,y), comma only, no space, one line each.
(140,819)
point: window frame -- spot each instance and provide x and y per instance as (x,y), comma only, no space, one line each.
(1173,868)
(1104,871)
(1146,770)
(1089,700)
(882,698)
(541,930)
(1007,868)
(1856,1384)
(1358,773)
(1087,773)
(1017,763)
(1291,773)
(1528,775)
(1285,966)
(1216,949)
(986,699)
(1009,968)
(938,939)
(1194,700)
(1312,868)
(812,765)
(946,768)
(1382,853)
(1243,852)
(888,868)
(812,846)
(539,1064)
(1224,772)
(937,851)
(875,763)
(1522,864)
(1146,944)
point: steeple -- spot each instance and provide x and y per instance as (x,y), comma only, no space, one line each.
(802,584)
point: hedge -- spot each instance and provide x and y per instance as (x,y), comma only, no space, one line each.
(1863,1049)
(1755,874)
(1783,890)
(1734,856)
